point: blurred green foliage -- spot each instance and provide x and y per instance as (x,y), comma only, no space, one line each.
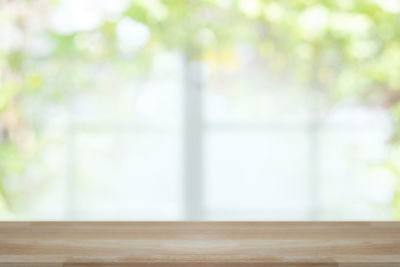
(344,49)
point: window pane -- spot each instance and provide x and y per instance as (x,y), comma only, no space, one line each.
(256,175)
(353,149)
(127,176)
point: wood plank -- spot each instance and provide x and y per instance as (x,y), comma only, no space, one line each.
(200,244)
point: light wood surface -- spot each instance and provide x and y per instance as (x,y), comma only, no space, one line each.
(198,244)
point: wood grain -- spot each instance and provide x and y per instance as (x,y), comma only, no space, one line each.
(200,244)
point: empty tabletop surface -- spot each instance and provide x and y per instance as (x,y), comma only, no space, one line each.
(199,244)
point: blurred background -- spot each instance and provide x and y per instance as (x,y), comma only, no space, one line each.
(199,110)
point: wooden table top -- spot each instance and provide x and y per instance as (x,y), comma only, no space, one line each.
(198,244)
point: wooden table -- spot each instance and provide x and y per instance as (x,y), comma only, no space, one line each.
(198,244)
